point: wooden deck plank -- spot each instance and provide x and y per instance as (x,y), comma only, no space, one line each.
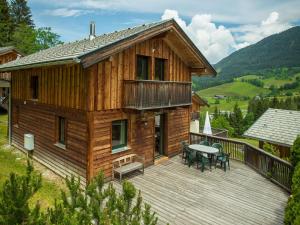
(182,195)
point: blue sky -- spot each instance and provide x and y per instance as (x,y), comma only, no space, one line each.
(217,27)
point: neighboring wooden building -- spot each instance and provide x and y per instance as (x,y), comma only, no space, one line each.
(7,54)
(92,101)
(277,127)
(197,104)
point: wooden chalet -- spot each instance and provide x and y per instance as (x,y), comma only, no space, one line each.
(92,101)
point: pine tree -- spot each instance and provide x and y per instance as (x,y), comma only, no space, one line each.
(21,13)
(14,197)
(5,23)
(236,120)
(100,206)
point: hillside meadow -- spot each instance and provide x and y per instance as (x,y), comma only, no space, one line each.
(239,91)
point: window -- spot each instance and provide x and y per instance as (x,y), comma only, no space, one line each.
(15,117)
(119,134)
(61,130)
(159,69)
(142,67)
(34,87)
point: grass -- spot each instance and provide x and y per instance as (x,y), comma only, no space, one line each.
(225,105)
(13,160)
(249,141)
(237,91)
(234,89)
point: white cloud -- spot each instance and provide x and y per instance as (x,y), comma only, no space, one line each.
(215,42)
(249,34)
(229,11)
(66,12)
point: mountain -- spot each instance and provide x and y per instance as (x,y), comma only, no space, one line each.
(273,53)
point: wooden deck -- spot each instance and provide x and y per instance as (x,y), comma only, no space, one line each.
(183,195)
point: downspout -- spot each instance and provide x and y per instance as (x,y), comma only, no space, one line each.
(9,116)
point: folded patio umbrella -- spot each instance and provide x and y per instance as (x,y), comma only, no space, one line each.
(207,127)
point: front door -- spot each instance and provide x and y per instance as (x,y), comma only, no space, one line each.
(159,135)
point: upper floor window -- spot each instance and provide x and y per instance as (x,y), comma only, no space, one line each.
(142,70)
(119,134)
(34,85)
(160,69)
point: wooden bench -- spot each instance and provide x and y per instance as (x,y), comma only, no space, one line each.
(127,164)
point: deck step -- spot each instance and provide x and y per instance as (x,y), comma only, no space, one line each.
(161,160)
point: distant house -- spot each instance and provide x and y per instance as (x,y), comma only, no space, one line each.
(90,102)
(220,96)
(278,127)
(7,54)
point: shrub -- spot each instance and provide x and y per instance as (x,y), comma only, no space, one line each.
(295,152)
(98,204)
(14,197)
(271,149)
(292,211)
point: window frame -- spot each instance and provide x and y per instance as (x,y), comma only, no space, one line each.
(59,143)
(34,87)
(164,61)
(148,60)
(123,146)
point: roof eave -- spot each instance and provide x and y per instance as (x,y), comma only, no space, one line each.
(269,141)
(35,65)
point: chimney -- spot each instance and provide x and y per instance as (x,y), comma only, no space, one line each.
(92,30)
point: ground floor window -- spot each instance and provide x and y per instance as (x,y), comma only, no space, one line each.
(61,130)
(119,134)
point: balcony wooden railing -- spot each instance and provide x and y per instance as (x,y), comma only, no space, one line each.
(151,94)
(270,166)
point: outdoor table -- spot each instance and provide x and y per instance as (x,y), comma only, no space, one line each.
(204,149)
(210,151)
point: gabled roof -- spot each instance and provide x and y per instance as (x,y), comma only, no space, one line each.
(199,100)
(276,126)
(88,52)
(8,49)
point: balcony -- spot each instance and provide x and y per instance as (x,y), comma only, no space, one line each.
(152,94)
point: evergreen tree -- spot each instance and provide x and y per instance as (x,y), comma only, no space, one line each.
(5,23)
(100,205)
(216,113)
(236,120)
(24,39)
(14,197)
(21,13)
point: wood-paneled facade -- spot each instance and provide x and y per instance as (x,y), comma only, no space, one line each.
(90,99)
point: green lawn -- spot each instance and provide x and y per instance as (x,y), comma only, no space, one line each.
(225,105)
(234,89)
(13,160)
(249,141)
(237,91)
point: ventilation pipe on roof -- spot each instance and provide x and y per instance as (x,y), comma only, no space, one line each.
(92,30)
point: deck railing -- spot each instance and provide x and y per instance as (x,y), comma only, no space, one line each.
(151,94)
(217,132)
(270,166)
